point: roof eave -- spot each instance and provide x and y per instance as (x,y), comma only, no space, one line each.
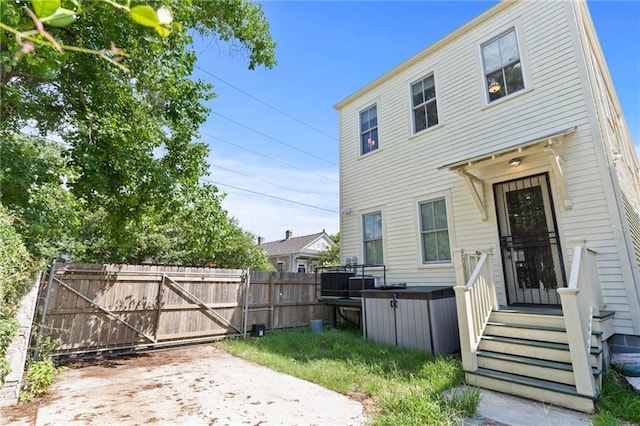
(428,51)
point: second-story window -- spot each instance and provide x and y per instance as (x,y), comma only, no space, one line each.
(423,102)
(369,130)
(502,66)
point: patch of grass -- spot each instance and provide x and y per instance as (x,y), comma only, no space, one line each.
(618,401)
(405,385)
(464,401)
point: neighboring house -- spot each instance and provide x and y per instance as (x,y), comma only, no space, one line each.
(498,160)
(296,254)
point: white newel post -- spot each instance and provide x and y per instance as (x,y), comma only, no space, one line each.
(578,343)
(465,322)
(465,326)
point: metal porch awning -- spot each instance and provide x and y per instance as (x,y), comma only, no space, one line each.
(543,143)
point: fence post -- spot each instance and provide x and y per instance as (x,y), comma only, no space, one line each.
(45,307)
(159,306)
(271,299)
(245,309)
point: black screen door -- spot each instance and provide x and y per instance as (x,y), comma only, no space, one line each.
(531,255)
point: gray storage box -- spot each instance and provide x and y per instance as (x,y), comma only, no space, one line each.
(421,317)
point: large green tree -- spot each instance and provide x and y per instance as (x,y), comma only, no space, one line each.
(33,174)
(132,135)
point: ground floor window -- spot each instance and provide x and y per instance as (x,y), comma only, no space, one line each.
(372,238)
(434,232)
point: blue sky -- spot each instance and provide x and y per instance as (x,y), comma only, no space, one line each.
(325,52)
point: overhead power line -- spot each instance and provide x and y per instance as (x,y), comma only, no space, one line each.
(266,156)
(269,196)
(67,145)
(310,154)
(271,183)
(255,98)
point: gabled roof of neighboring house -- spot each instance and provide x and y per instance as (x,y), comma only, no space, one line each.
(291,244)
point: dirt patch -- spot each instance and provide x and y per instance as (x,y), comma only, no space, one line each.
(24,413)
(197,385)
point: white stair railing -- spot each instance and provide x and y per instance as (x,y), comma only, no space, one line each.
(580,301)
(475,299)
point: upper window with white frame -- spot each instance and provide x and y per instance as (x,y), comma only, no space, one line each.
(372,238)
(369,130)
(502,66)
(434,232)
(423,103)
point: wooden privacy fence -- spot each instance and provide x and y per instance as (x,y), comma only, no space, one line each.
(93,308)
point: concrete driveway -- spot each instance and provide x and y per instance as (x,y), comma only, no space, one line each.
(196,385)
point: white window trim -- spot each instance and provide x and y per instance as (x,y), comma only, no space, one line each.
(368,106)
(517,26)
(446,195)
(436,83)
(416,77)
(363,213)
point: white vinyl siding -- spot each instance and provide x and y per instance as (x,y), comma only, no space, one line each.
(398,176)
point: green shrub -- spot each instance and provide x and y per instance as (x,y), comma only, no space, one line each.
(39,376)
(16,276)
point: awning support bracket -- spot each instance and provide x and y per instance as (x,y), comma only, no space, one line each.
(557,168)
(476,188)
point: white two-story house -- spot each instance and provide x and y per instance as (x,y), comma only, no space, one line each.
(498,161)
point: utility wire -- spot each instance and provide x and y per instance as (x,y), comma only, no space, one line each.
(224,184)
(265,156)
(268,196)
(67,145)
(273,139)
(286,114)
(271,183)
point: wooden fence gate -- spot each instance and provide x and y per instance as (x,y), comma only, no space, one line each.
(97,308)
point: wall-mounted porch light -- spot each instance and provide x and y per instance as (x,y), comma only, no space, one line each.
(515,162)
